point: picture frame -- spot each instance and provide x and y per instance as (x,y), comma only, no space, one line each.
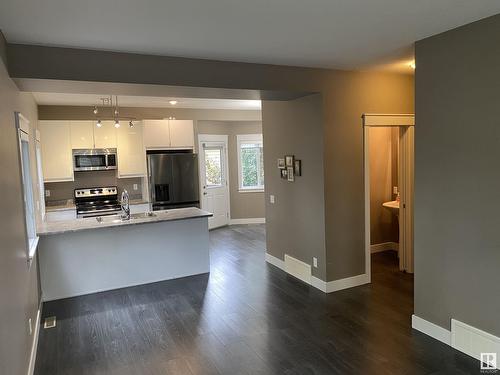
(298,168)
(281,163)
(290,174)
(283,173)
(289,161)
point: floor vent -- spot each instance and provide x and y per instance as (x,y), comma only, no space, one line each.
(49,322)
(297,268)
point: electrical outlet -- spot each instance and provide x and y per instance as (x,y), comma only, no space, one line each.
(30,326)
(315,262)
(47,192)
(135,187)
(271,199)
(394,190)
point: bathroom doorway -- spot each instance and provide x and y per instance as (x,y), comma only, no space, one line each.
(389,186)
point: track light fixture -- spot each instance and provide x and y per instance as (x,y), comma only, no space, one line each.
(99,124)
(117,123)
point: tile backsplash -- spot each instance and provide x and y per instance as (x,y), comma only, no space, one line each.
(62,191)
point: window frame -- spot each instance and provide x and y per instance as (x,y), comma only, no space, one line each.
(241,139)
(22,125)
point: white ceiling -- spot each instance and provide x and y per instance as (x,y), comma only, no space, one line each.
(318,33)
(49,98)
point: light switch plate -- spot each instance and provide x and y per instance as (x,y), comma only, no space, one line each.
(315,262)
(271,199)
(394,190)
(135,187)
(47,192)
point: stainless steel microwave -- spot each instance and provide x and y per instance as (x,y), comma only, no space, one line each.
(97,159)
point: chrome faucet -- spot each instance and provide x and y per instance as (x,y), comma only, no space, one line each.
(124,203)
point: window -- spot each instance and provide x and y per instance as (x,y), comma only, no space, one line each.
(213,166)
(29,207)
(250,162)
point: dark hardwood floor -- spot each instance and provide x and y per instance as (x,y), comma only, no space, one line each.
(246,317)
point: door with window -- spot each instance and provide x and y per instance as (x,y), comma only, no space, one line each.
(214,178)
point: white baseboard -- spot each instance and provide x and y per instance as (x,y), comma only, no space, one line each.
(384,246)
(326,287)
(275,261)
(348,282)
(298,269)
(252,220)
(34,345)
(431,329)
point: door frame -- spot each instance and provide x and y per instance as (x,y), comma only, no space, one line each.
(215,139)
(370,120)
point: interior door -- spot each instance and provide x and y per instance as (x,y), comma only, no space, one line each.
(214,184)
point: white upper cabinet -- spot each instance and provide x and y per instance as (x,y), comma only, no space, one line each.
(105,136)
(82,134)
(131,151)
(168,134)
(57,158)
(181,133)
(156,133)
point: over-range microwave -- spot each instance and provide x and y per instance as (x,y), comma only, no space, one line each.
(97,159)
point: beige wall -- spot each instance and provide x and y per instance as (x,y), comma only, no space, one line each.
(19,293)
(61,112)
(63,191)
(243,204)
(345,96)
(297,218)
(457,179)
(383,176)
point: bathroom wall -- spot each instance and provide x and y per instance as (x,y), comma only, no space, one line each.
(383,176)
(60,192)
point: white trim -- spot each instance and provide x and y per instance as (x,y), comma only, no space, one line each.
(251,220)
(366,170)
(34,345)
(386,119)
(348,282)
(250,190)
(325,287)
(384,246)
(275,261)
(240,138)
(473,341)
(431,329)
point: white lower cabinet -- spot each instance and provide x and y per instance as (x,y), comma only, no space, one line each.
(131,151)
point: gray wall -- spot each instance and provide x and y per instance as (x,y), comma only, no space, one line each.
(244,205)
(297,218)
(345,96)
(19,294)
(457,181)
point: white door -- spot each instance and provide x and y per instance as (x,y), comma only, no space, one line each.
(214,178)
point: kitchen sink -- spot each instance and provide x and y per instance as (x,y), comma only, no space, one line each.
(118,219)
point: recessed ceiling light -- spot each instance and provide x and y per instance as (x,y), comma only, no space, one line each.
(173,102)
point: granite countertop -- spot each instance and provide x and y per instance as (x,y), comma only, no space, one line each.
(76,225)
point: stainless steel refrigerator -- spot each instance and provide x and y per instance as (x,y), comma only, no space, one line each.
(173,179)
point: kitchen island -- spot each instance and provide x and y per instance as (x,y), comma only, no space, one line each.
(83,256)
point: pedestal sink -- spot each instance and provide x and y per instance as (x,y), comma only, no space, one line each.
(392,206)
